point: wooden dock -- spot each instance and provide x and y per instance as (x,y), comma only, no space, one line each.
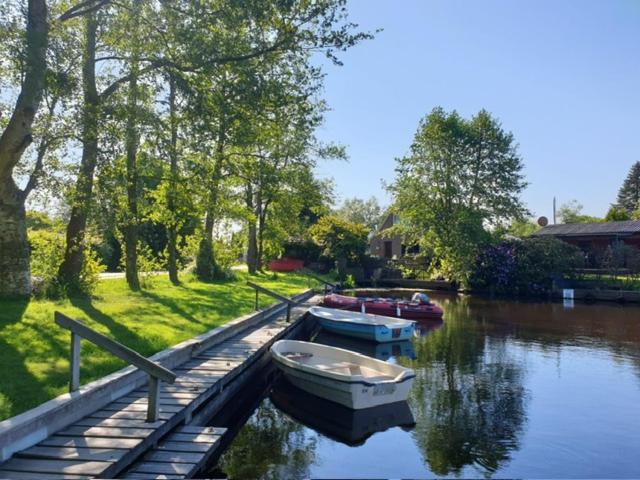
(116,440)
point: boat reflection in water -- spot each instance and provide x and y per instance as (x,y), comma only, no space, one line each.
(351,427)
(424,327)
(380,351)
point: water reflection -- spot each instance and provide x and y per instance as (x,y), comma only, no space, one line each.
(502,389)
(351,427)
(381,351)
(468,396)
(270,446)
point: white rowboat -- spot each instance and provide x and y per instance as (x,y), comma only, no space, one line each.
(348,378)
(364,325)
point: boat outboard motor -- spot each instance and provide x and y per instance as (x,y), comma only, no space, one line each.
(420,297)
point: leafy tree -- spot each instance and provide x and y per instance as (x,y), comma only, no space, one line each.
(460,177)
(340,239)
(617,214)
(522,228)
(357,210)
(571,212)
(629,193)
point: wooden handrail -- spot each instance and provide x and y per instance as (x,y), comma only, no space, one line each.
(310,274)
(156,372)
(271,293)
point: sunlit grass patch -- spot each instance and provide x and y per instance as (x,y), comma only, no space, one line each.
(34,351)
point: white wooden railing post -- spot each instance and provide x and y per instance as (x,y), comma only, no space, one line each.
(153,407)
(156,372)
(74,363)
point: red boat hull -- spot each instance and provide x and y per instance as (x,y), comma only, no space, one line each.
(388,307)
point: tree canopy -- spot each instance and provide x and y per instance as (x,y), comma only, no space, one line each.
(461,178)
(162,129)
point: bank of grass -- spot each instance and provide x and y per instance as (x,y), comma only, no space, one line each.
(34,351)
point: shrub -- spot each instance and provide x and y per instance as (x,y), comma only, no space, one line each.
(340,239)
(526,267)
(47,253)
(302,250)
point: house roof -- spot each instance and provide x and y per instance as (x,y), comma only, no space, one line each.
(628,227)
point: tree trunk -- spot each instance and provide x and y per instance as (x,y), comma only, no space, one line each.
(172,233)
(131,226)
(262,221)
(252,243)
(206,267)
(71,266)
(15,277)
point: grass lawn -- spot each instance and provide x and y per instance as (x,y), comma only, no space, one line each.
(34,351)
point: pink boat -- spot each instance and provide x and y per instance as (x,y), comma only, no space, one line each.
(390,307)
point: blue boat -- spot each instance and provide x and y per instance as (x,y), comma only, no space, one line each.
(364,325)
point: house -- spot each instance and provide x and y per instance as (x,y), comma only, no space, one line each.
(594,238)
(389,247)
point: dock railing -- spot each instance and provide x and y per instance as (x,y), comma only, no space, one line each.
(156,372)
(328,286)
(260,289)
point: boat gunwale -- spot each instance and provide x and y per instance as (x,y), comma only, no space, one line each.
(404,375)
(400,322)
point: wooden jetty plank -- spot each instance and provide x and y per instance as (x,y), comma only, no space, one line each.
(12,474)
(178,394)
(184,447)
(72,453)
(135,415)
(89,442)
(117,422)
(173,457)
(195,437)
(73,467)
(127,407)
(166,468)
(153,476)
(133,400)
(107,432)
(198,429)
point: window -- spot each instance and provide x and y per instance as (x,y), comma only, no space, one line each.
(388,249)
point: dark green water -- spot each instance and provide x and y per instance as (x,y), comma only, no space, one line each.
(503,389)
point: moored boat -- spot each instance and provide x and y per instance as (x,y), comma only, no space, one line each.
(415,309)
(381,351)
(364,325)
(348,378)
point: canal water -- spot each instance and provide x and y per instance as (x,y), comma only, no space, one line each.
(503,389)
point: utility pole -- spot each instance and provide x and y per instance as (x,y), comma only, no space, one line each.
(554,210)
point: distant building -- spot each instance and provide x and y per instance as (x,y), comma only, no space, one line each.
(389,247)
(594,238)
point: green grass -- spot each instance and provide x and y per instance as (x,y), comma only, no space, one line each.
(34,351)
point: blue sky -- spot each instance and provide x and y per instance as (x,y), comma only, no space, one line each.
(563,76)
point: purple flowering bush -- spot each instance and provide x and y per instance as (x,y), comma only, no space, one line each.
(524,267)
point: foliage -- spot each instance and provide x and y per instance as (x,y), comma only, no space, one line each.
(522,228)
(47,250)
(157,115)
(619,256)
(35,352)
(571,212)
(340,239)
(526,267)
(367,212)
(629,193)
(460,177)
(617,214)
(306,250)
(349,282)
